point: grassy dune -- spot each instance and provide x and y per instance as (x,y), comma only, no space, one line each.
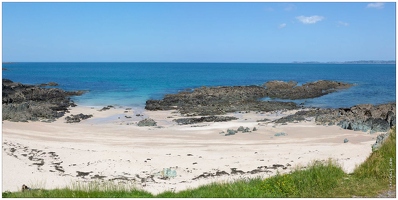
(373,177)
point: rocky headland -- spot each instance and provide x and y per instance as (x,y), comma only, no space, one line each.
(290,90)
(22,102)
(223,99)
(365,117)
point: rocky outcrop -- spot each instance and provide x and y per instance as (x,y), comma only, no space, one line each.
(207,99)
(184,121)
(365,117)
(48,84)
(147,122)
(215,101)
(379,141)
(290,90)
(23,102)
(221,100)
(77,118)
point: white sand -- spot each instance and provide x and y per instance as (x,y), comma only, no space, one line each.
(111,145)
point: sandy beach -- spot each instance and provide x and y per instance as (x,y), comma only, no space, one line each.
(111,147)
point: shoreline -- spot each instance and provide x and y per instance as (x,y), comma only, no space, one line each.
(110,146)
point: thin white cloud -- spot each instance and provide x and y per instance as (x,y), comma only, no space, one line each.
(343,23)
(376,5)
(282,26)
(269,9)
(290,7)
(310,20)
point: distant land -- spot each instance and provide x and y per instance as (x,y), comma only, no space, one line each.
(316,62)
(351,62)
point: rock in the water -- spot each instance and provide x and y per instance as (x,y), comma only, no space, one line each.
(290,90)
(147,122)
(48,84)
(221,100)
(218,100)
(30,102)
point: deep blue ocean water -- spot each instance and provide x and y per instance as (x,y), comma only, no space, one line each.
(131,84)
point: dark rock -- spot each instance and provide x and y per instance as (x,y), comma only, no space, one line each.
(290,90)
(364,117)
(277,165)
(231,132)
(98,177)
(147,122)
(77,118)
(280,134)
(379,141)
(82,174)
(263,120)
(48,84)
(345,140)
(218,100)
(380,125)
(184,121)
(29,102)
(220,173)
(106,108)
(391,118)
(235,171)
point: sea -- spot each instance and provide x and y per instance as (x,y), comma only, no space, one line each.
(132,84)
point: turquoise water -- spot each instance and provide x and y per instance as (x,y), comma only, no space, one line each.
(131,84)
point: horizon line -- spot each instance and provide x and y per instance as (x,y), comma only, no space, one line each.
(291,62)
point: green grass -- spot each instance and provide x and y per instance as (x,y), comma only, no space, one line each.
(319,179)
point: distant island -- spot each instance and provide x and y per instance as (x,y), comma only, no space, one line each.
(350,62)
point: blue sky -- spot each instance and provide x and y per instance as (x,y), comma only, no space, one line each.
(197,32)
